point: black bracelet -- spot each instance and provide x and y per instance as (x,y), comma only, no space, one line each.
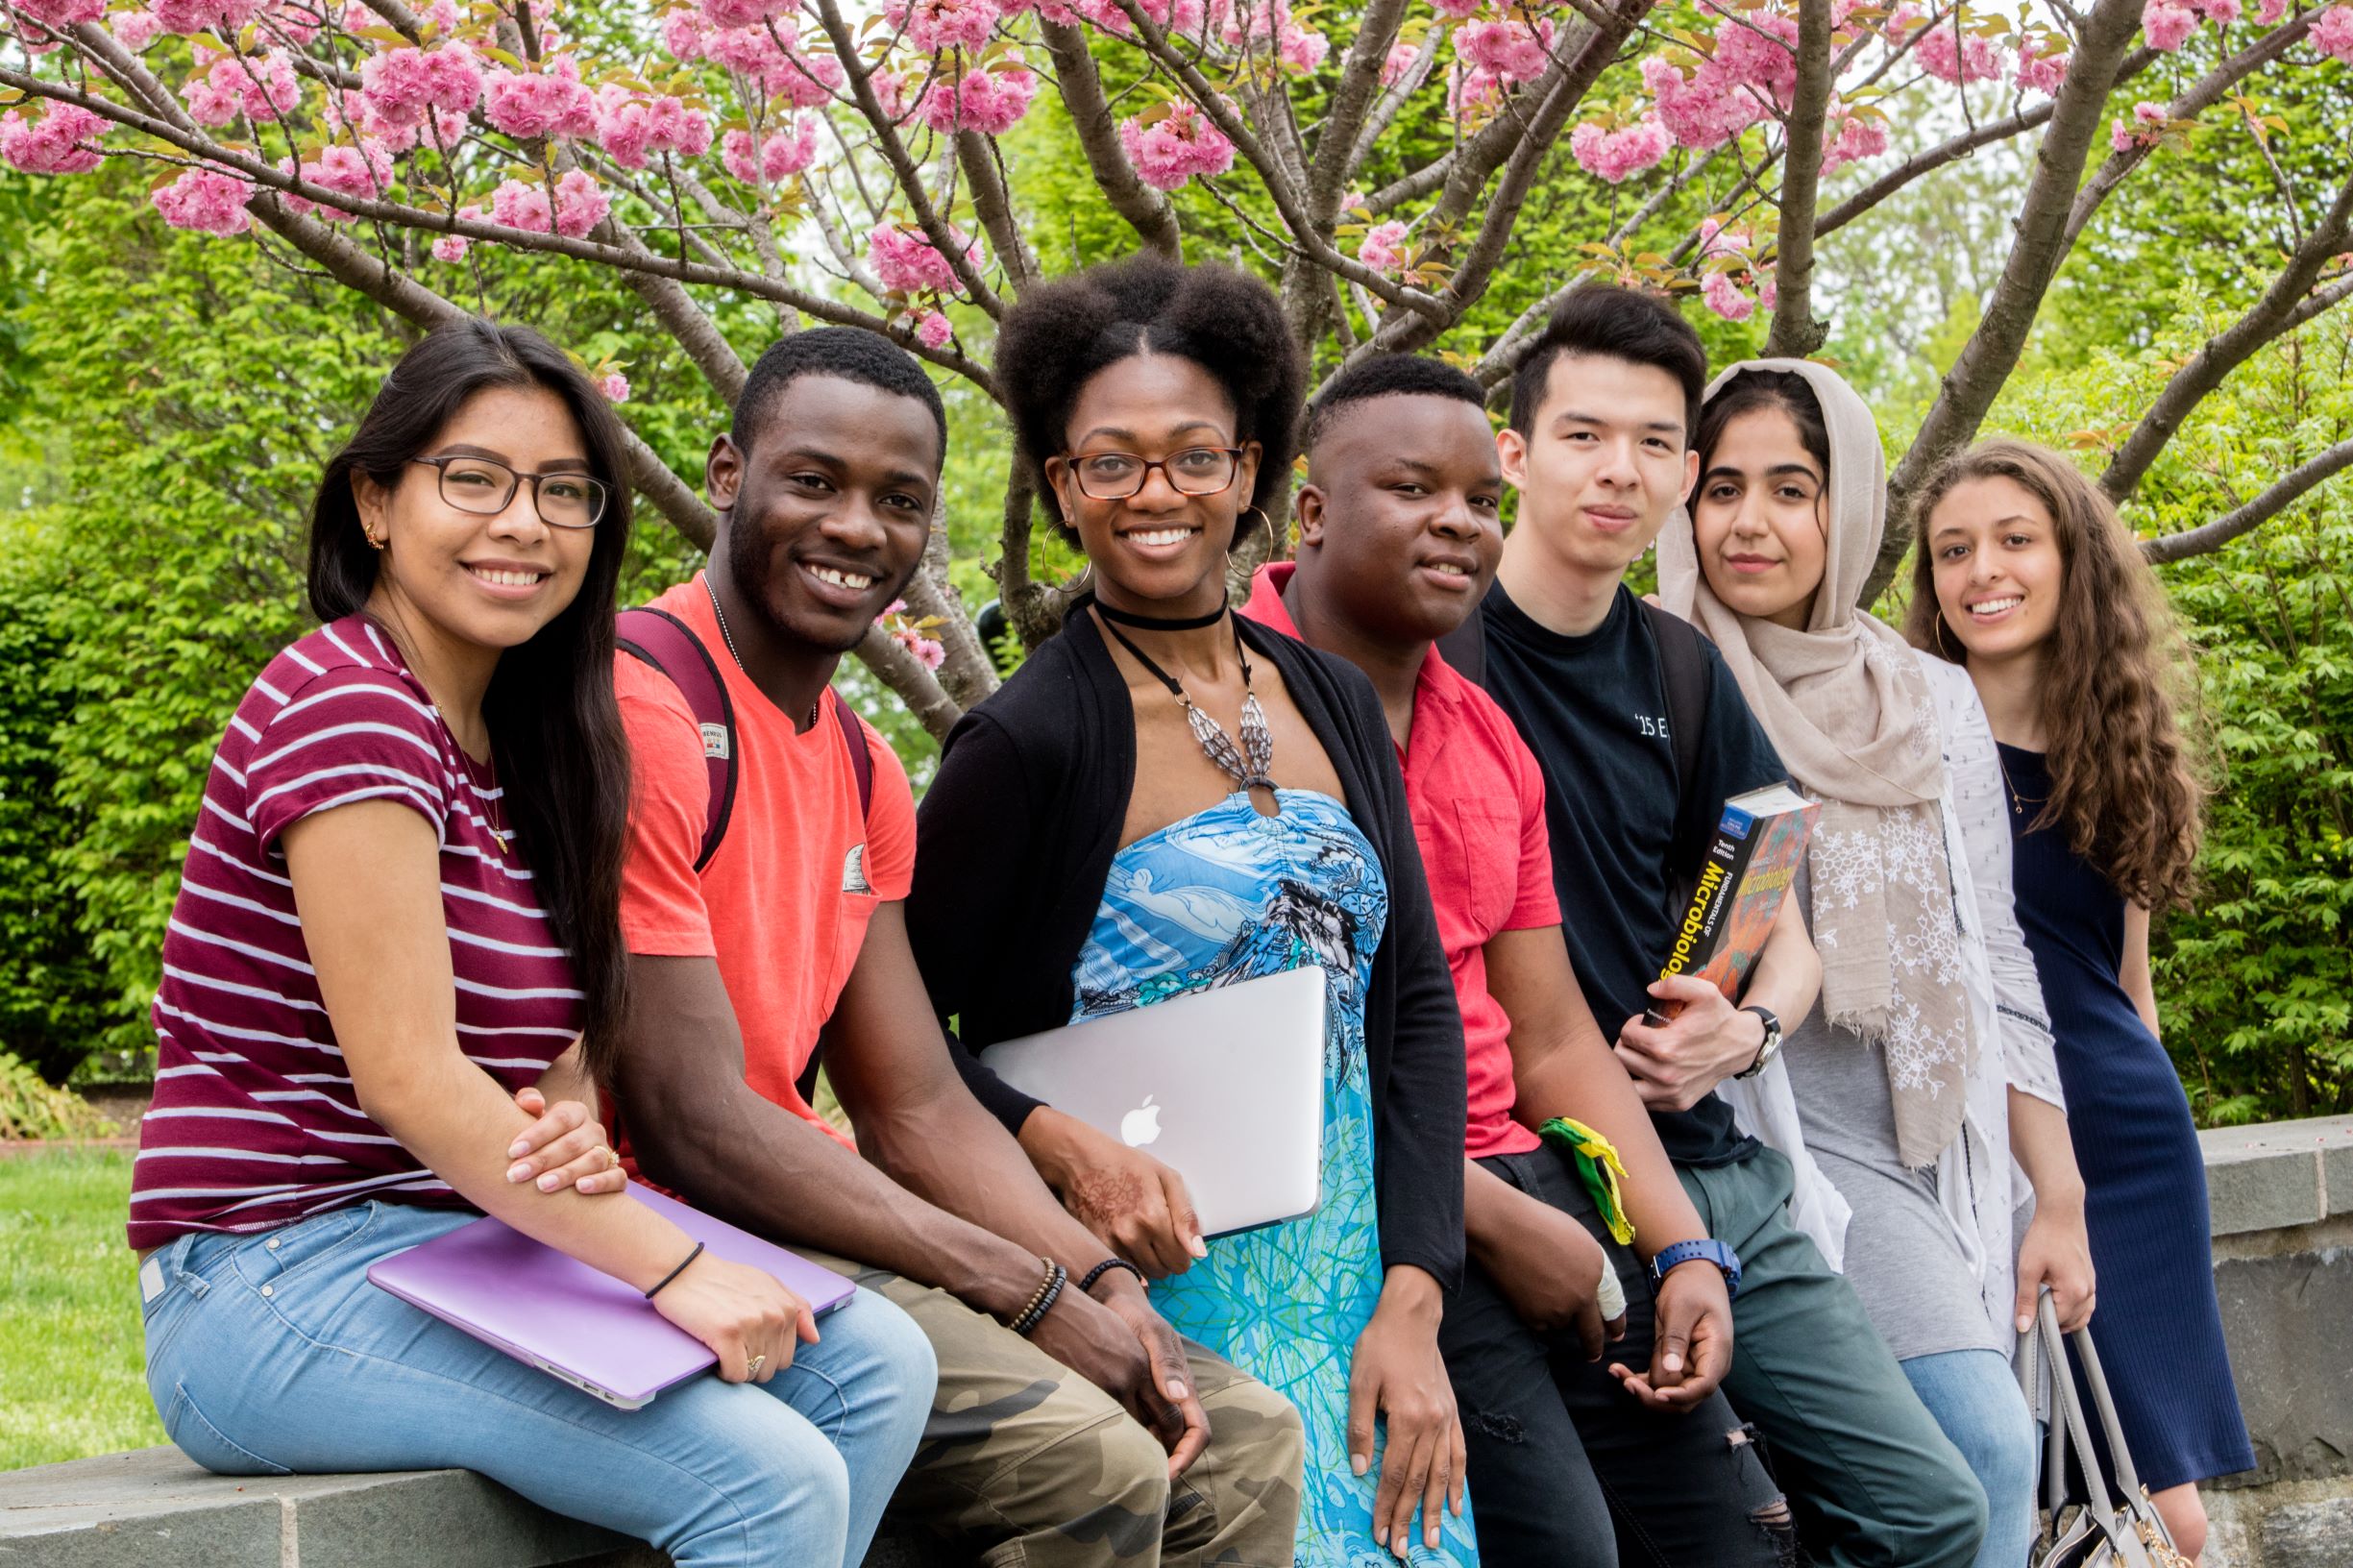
(675,1272)
(1043,1302)
(1087,1280)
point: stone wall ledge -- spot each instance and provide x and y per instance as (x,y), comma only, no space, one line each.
(2273,1175)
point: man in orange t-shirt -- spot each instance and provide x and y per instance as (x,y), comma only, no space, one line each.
(1100,1437)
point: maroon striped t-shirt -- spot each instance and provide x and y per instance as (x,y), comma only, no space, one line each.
(255,1122)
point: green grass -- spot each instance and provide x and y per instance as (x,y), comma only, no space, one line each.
(72,1362)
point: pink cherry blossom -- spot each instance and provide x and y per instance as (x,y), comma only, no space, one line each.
(934,330)
(362,171)
(929,651)
(451,248)
(1256,23)
(2168,25)
(744,13)
(260,88)
(934,25)
(615,386)
(219,16)
(544,103)
(1383,249)
(1186,17)
(2333,33)
(685,34)
(207,200)
(579,205)
(2221,12)
(783,153)
(1724,298)
(1856,138)
(906,262)
(1178,147)
(803,78)
(60,15)
(519,206)
(1471,94)
(64,140)
(1509,51)
(2270,12)
(2044,74)
(1616,155)
(1768,292)
(989,102)
(1400,60)
(135,30)
(1948,57)
(631,127)
(403,86)
(1701,110)
(1760,49)
(1460,9)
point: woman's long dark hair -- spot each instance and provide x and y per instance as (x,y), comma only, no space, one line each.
(556,735)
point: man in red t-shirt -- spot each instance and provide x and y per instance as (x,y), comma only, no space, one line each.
(1100,1438)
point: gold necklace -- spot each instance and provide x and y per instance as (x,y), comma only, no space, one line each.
(2017,803)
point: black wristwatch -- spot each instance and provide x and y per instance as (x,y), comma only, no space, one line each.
(1771,1048)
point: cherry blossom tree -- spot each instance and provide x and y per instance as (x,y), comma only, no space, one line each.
(851,166)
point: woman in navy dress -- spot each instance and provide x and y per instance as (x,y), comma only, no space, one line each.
(2027,579)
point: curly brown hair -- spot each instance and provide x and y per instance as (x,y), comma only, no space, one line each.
(2116,678)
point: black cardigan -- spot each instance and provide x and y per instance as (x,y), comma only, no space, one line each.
(1014,846)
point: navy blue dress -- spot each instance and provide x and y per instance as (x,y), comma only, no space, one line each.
(2157,1325)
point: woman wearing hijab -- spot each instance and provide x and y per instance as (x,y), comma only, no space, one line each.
(1929,1062)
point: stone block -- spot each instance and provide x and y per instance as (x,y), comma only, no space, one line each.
(2263,1177)
(2308,1534)
(157,1510)
(2289,1322)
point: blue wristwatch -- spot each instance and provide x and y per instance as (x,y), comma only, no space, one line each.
(1683,1252)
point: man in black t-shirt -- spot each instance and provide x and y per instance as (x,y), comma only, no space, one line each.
(1603,409)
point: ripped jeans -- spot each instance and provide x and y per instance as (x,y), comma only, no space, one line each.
(1564,1462)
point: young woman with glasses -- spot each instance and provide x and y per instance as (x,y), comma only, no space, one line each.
(1166,797)
(396,945)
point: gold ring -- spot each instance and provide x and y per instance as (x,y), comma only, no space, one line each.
(752,1368)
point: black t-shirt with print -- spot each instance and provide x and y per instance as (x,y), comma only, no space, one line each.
(1594,710)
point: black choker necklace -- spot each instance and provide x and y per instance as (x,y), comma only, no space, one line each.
(1155,623)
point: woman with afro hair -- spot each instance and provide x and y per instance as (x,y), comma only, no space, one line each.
(1167,798)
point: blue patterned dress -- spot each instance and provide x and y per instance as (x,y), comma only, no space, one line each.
(1230,895)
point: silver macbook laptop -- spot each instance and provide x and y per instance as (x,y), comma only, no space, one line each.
(1225,1086)
(552,1311)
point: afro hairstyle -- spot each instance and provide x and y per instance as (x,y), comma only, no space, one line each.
(1608,321)
(1385,376)
(1225,321)
(851,352)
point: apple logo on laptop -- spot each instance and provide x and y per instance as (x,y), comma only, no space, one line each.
(1142,1125)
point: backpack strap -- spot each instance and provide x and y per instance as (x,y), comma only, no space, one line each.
(861,757)
(663,641)
(1682,665)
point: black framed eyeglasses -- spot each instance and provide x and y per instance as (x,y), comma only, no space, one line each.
(1196,471)
(485,487)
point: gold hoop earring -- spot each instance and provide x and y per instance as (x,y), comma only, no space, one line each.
(374,540)
(1939,621)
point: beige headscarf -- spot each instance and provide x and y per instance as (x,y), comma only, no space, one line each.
(1855,722)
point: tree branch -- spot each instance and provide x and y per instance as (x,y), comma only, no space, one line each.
(2213,536)
(2040,246)
(993,205)
(1795,333)
(904,674)
(2229,348)
(1145,210)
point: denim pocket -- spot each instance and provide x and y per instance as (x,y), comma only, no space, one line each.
(204,1442)
(270,1264)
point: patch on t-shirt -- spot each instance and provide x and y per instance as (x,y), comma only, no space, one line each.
(853,870)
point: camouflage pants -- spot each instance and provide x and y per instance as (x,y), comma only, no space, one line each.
(1026,1464)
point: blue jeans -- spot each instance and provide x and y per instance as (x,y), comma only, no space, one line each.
(270,1354)
(1974,1396)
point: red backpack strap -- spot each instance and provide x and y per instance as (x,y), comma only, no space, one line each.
(663,641)
(861,757)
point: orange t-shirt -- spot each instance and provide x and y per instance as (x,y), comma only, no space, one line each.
(785,903)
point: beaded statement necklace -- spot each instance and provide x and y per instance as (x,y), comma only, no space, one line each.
(1247,764)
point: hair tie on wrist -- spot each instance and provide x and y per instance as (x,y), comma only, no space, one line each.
(675,1272)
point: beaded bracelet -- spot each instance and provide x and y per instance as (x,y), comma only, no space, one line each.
(1087,1280)
(1042,1302)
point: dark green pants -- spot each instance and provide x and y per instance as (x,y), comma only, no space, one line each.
(1871,1477)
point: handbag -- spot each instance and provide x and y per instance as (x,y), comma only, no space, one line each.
(2101,1532)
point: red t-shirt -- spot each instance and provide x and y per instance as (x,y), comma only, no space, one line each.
(255,1122)
(784,904)
(1478,804)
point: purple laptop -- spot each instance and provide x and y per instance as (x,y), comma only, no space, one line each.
(557,1313)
